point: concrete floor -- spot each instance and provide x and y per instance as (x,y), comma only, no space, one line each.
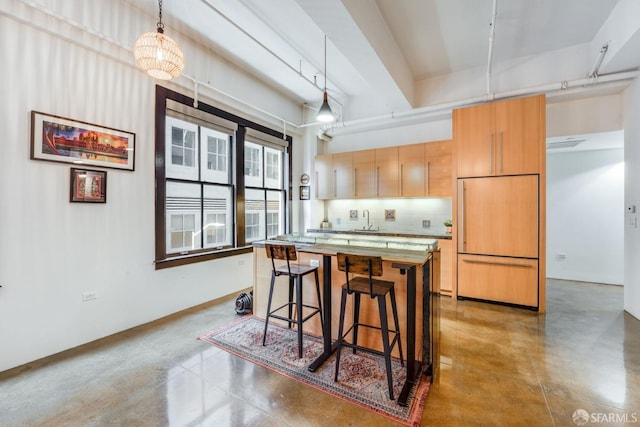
(500,366)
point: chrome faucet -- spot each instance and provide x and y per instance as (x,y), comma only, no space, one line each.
(366,211)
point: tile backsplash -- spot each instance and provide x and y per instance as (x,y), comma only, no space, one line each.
(408,214)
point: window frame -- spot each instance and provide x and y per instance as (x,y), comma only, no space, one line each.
(164,260)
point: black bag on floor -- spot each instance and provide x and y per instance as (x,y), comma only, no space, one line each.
(244,303)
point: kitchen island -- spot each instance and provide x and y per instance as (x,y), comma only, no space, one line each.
(412,263)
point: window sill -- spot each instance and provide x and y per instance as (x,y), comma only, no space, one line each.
(200,257)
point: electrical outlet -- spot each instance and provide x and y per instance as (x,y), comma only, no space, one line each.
(561,257)
(353,214)
(87,296)
(314,263)
(426,223)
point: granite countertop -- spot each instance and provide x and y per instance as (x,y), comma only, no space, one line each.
(403,256)
(446,236)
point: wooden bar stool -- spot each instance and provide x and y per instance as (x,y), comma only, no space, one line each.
(296,273)
(369,266)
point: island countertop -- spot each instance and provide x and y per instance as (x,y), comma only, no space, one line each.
(347,242)
(404,256)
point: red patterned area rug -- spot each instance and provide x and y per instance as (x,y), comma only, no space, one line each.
(362,378)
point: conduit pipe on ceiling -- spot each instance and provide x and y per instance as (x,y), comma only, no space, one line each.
(262,45)
(429,110)
(298,71)
(492,34)
(265,112)
(596,67)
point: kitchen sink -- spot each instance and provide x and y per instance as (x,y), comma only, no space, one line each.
(362,230)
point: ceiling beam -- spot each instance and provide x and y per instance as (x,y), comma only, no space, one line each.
(621,32)
(357,29)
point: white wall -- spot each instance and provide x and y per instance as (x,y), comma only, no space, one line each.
(582,116)
(426,131)
(585,217)
(51,250)
(631,103)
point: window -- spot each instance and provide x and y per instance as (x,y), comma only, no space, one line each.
(198,212)
(252,164)
(216,229)
(216,152)
(182,230)
(217,207)
(264,195)
(198,216)
(182,216)
(264,216)
(273,166)
(252,226)
(182,151)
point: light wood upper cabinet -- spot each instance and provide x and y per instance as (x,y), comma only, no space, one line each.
(425,169)
(438,158)
(498,216)
(387,172)
(364,173)
(416,170)
(520,135)
(334,176)
(412,170)
(324,176)
(501,138)
(343,176)
(474,138)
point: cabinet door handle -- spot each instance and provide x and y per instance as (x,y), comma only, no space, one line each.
(377,180)
(401,178)
(500,151)
(491,154)
(355,182)
(462,220)
(506,264)
(426,178)
(335,185)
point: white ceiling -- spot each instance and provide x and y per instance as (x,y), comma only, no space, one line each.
(382,54)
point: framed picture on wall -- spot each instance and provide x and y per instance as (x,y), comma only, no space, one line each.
(88,186)
(305,192)
(59,139)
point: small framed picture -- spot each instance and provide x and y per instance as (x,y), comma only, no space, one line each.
(88,186)
(305,192)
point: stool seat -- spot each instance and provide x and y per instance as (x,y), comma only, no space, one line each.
(295,270)
(366,284)
(296,273)
(376,287)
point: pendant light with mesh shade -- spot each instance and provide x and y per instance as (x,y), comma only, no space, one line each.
(324,113)
(157,54)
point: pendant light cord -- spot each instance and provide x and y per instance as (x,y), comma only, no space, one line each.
(160,24)
(325,63)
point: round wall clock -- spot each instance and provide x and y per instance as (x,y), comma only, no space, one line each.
(304,178)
